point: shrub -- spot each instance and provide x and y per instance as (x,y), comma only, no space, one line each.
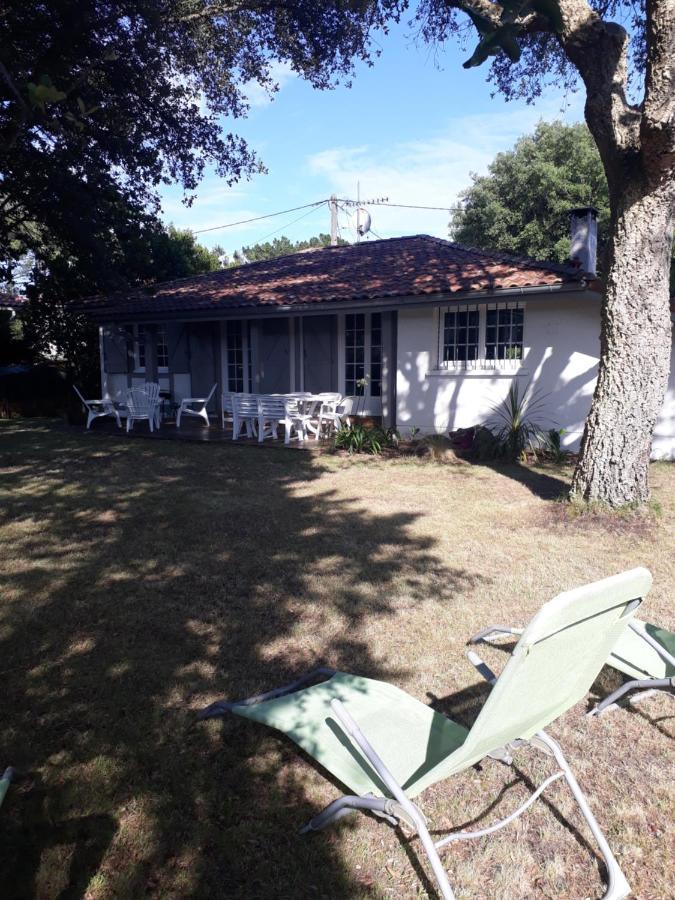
(552,444)
(32,391)
(365,439)
(514,428)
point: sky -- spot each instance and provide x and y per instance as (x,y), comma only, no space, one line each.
(412,128)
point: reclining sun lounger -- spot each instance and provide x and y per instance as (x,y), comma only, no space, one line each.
(643,652)
(387,747)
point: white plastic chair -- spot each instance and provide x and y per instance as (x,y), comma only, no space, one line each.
(140,408)
(200,402)
(328,414)
(151,388)
(226,409)
(244,414)
(275,411)
(96,409)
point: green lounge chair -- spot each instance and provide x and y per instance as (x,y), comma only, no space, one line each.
(643,652)
(387,747)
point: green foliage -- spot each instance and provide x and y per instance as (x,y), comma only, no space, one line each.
(13,345)
(514,427)
(150,253)
(522,206)
(175,253)
(281,246)
(358,438)
(552,442)
(102,103)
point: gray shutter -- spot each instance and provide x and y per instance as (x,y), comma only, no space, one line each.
(115,349)
(177,338)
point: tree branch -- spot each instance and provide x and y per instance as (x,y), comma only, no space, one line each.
(657,129)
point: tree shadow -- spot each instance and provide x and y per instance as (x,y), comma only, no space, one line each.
(549,484)
(144,580)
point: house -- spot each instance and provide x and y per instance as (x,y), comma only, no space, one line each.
(439,331)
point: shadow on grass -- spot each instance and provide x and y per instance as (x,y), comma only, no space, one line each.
(143,580)
(547,484)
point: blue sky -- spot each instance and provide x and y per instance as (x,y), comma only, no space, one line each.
(411,128)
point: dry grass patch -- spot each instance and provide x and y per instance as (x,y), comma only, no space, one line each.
(142,580)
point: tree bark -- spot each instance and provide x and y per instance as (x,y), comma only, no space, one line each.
(637,146)
(613,465)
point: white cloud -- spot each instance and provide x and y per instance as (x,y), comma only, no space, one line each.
(281,74)
(428,172)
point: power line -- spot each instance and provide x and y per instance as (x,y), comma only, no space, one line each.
(287,225)
(404,205)
(258,218)
(318,203)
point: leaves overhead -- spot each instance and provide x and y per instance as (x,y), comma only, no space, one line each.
(101,103)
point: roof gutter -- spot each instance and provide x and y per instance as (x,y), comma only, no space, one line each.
(324,307)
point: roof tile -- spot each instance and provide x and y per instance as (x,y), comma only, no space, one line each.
(369,271)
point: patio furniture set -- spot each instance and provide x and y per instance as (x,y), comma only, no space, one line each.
(301,414)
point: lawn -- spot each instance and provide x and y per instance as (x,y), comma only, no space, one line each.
(144,579)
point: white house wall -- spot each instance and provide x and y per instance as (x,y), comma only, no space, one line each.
(560,358)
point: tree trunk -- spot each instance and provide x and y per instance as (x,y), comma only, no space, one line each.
(613,465)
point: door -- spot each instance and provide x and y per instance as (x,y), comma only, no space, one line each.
(275,360)
(319,342)
(202,359)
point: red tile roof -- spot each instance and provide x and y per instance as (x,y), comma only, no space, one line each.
(370,271)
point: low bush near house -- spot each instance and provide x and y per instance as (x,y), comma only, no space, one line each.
(365,439)
(514,427)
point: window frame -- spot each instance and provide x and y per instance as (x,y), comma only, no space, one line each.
(344,366)
(482,363)
(162,331)
(134,331)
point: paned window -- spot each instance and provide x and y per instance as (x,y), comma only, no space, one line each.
(460,336)
(504,333)
(355,354)
(235,357)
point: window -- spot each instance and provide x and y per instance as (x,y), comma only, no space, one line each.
(355,354)
(481,337)
(162,349)
(235,357)
(376,355)
(460,336)
(136,337)
(504,333)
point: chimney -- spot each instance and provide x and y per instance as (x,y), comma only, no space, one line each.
(584,236)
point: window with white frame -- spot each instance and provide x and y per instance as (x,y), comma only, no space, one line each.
(504,333)
(137,338)
(162,349)
(235,356)
(477,337)
(355,354)
(460,336)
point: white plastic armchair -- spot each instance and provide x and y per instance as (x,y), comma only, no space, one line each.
(140,408)
(151,388)
(195,406)
(244,414)
(330,419)
(96,409)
